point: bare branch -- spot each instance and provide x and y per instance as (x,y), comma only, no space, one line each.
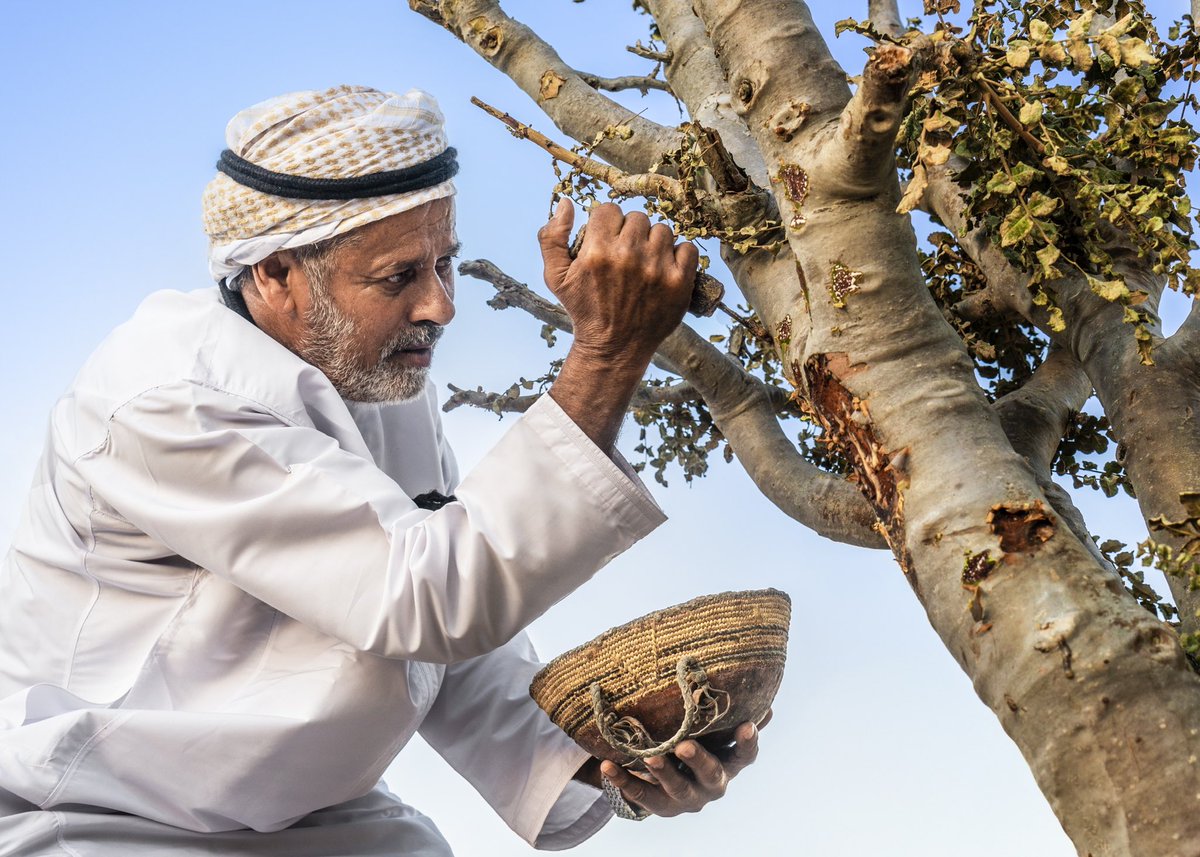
(577,109)
(504,403)
(642,83)
(513,293)
(644,184)
(861,157)
(648,53)
(499,403)
(885,15)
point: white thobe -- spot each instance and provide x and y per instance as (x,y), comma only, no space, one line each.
(222,616)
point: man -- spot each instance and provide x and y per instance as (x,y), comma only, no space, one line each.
(247,572)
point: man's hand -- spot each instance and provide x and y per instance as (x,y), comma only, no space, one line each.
(625,292)
(675,792)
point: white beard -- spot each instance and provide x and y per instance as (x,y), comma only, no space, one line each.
(328,345)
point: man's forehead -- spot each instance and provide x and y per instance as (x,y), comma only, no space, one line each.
(432,223)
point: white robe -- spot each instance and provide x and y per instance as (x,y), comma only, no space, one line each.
(222,616)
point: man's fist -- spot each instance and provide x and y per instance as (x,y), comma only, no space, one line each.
(627,288)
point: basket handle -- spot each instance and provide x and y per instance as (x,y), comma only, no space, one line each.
(628,735)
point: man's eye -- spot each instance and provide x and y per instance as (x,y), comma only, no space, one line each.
(400,278)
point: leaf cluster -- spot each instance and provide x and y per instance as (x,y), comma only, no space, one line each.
(1062,113)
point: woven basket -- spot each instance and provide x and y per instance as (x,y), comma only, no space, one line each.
(624,696)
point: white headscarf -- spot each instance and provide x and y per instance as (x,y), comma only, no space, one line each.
(341,133)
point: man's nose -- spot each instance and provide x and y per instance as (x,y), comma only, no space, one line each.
(436,299)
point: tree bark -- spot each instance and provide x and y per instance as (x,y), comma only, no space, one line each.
(1093,690)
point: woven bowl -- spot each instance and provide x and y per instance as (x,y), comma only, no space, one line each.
(624,696)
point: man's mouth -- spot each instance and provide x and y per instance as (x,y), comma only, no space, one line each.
(417,356)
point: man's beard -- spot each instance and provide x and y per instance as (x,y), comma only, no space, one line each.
(329,345)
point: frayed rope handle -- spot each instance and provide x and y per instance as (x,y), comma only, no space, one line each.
(700,700)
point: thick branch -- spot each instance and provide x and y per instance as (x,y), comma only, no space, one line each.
(642,83)
(577,109)
(742,408)
(860,159)
(885,15)
(1187,338)
(1036,415)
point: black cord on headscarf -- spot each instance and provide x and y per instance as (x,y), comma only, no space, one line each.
(436,170)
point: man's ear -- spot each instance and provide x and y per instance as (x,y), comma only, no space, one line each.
(277,281)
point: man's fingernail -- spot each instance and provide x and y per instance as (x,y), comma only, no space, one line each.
(686,751)
(751,732)
(655,762)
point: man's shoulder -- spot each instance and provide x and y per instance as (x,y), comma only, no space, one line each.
(181,339)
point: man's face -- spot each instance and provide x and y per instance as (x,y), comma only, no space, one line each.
(372,324)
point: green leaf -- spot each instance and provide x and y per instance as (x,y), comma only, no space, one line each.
(1040,205)
(1002,184)
(1048,255)
(1015,227)
(1024,174)
(1135,53)
(1031,113)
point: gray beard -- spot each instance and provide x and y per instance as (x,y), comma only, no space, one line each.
(328,345)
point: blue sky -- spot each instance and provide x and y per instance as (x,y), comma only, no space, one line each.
(115,116)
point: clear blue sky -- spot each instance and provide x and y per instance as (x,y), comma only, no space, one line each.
(115,116)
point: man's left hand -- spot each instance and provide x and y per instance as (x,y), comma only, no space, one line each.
(674,791)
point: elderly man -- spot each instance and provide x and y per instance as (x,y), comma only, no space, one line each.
(248,574)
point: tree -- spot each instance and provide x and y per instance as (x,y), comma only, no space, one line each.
(941,382)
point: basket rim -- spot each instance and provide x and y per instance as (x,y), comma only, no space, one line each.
(768,594)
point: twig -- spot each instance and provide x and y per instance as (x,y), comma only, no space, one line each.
(644,184)
(649,53)
(503,403)
(642,83)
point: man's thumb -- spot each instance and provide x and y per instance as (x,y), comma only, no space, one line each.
(555,238)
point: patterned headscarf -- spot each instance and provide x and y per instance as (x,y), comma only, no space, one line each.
(307,166)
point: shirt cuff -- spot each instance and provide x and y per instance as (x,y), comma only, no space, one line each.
(568,811)
(568,440)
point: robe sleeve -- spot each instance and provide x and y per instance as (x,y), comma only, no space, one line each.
(487,728)
(322,535)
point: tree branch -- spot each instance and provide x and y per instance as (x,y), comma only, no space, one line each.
(770,281)
(1187,338)
(1036,415)
(577,109)
(642,83)
(644,184)
(648,53)
(503,403)
(885,15)
(861,156)
(743,408)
